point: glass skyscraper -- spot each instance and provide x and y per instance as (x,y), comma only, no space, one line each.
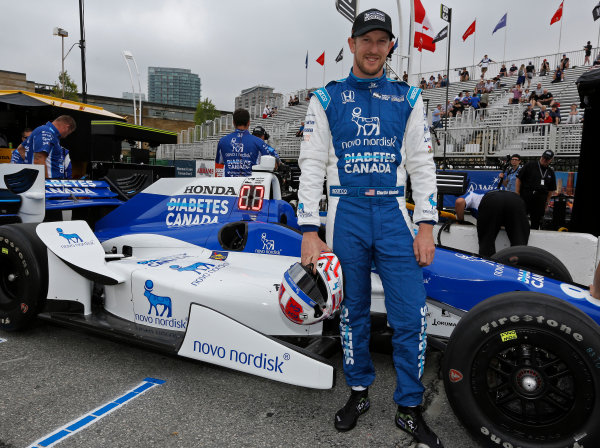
(175,86)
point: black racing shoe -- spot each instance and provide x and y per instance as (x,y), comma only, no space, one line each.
(410,420)
(357,404)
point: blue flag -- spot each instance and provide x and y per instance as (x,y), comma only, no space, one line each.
(501,24)
(306,62)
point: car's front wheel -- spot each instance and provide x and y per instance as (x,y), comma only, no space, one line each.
(522,369)
(23,275)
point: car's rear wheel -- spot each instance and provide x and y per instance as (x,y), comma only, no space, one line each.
(23,275)
(523,369)
(535,260)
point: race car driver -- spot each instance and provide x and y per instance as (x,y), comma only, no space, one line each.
(239,150)
(367,133)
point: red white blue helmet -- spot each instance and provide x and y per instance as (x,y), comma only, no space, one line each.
(306,298)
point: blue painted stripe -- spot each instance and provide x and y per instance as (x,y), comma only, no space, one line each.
(93,416)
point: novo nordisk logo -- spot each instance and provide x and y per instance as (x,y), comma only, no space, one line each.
(260,361)
(347,96)
(70,237)
(368,126)
(374,16)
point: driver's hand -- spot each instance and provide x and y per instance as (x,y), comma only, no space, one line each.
(312,246)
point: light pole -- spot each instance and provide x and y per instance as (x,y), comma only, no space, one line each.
(136,112)
(62,33)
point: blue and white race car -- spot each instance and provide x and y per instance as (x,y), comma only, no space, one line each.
(193,267)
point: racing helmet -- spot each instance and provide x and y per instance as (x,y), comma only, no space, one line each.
(306,298)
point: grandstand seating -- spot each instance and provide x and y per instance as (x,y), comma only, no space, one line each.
(498,133)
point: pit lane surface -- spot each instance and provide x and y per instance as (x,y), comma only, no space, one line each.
(50,376)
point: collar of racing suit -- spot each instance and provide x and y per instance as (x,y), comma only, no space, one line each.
(365,83)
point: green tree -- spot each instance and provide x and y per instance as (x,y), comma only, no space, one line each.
(205,110)
(70,88)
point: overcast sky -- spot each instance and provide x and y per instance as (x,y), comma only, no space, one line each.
(236,44)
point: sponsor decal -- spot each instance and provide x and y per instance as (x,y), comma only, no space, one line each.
(528,278)
(383,97)
(498,267)
(347,97)
(323,97)
(455,376)
(73,239)
(370,162)
(189,211)
(413,95)
(377,15)
(340,191)
(4,250)
(346,333)
(292,309)
(508,335)
(366,125)
(302,213)
(162,303)
(260,361)
(373,85)
(432,200)
(268,246)
(217,190)
(218,255)
(163,260)
(201,269)
(422,340)
(540,320)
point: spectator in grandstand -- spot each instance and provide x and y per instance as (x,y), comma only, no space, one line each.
(266,111)
(597,60)
(517,93)
(521,75)
(480,86)
(300,132)
(467,99)
(464,74)
(538,91)
(564,62)
(291,101)
(558,74)
(529,73)
(513,69)
(494,209)
(423,83)
(405,77)
(489,86)
(496,82)
(438,82)
(484,63)
(502,73)
(447,111)
(431,82)
(543,118)
(544,68)
(528,115)
(475,99)
(484,99)
(525,97)
(535,183)
(509,175)
(296,101)
(459,97)
(238,151)
(457,108)
(574,115)
(545,99)
(445,81)
(555,114)
(262,133)
(588,53)
(436,117)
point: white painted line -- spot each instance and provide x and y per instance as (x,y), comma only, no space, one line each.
(86,420)
(13,360)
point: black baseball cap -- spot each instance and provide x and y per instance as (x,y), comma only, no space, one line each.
(516,156)
(372,19)
(548,154)
(259,130)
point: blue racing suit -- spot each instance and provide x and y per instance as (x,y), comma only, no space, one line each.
(240,150)
(366,135)
(45,138)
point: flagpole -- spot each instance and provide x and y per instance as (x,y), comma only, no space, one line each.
(410,37)
(560,32)
(474,39)
(505,30)
(306,76)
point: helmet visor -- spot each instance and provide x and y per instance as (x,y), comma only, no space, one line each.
(304,284)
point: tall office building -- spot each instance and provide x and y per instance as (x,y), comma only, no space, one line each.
(257,95)
(175,86)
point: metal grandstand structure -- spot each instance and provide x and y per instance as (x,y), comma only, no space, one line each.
(472,139)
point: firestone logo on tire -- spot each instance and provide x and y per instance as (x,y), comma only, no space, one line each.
(455,376)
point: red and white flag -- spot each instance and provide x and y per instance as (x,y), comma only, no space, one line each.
(470,30)
(558,14)
(424,34)
(321,59)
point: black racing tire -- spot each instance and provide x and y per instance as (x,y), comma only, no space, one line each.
(522,369)
(534,259)
(23,276)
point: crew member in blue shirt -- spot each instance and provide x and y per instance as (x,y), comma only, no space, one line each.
(240,150)
(15,156)
(43,147)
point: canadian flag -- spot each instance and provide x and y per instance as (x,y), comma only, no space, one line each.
(558,14)
(424,35)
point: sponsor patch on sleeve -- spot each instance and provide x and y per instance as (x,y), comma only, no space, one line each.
(413,95)
(323,97)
